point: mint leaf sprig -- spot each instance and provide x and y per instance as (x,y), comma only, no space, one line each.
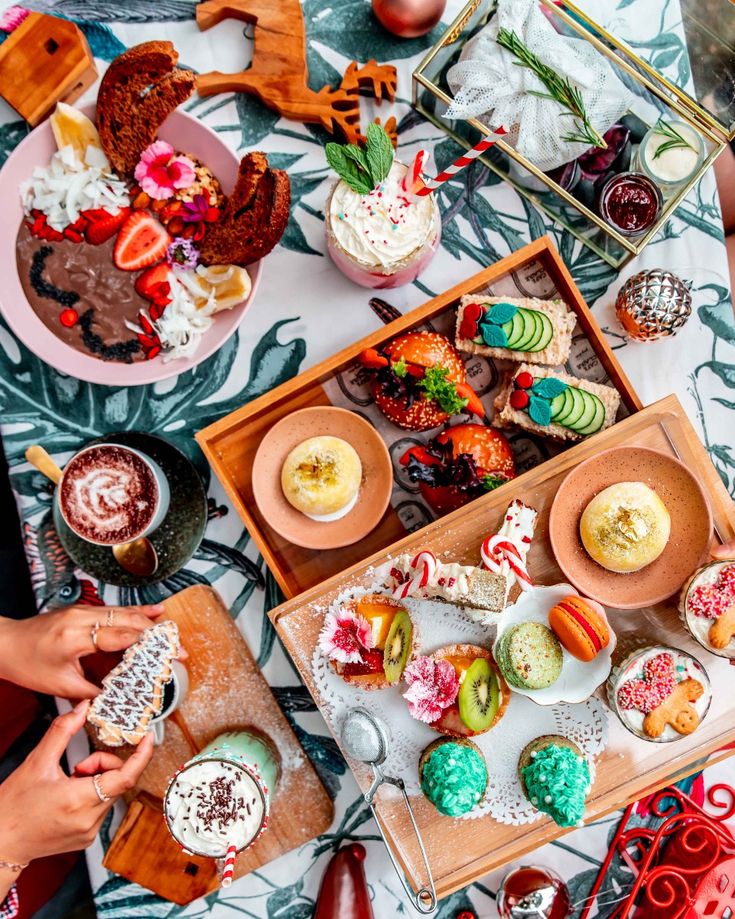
(362,168)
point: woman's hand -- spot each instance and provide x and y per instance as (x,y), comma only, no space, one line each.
(43,811)
(43,653)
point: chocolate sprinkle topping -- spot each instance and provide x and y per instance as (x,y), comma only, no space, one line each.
(42,287)
(120,351)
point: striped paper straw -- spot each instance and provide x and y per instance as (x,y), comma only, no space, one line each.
(413,180)
(229,866)
(459,164)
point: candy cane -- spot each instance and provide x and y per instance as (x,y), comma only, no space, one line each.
(496,549)
(229,867)
(460,163)
(427,562)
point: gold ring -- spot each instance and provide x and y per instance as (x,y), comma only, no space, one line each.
(110,617)
(100,794)
(93,632)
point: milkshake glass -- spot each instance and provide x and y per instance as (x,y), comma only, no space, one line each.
(221,797)
(383,239)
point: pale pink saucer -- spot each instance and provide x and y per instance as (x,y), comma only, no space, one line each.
(185,133)
(691,526)
(375,490)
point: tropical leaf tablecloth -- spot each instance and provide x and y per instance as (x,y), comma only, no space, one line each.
(304,311)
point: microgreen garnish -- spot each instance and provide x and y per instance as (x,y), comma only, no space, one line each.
(675,140)
(559,89)
(443,391)
(362,168)
(491,482)
(400,368)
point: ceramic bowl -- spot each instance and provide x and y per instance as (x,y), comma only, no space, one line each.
(691,526)
(375,489)
(184,132)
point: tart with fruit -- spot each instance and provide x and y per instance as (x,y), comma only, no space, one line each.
(369,641)
(420,381)
(458,690)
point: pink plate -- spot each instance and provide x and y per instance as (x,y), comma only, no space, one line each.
(185,133)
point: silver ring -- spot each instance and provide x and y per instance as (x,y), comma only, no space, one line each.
(110,617)
(93,632)
(100,794)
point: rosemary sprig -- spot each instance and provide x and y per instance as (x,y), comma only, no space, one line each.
(559,88)
(666,129)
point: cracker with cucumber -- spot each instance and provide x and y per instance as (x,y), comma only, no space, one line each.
(523,329)
(548,401)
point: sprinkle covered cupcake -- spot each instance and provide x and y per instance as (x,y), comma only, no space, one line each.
(555,777)
(453,776)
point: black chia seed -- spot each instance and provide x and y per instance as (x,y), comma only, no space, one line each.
(120,351)
(42,287)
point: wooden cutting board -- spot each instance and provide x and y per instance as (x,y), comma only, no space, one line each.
(227,692)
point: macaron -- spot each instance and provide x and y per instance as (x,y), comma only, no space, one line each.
(580,626)
(529,656)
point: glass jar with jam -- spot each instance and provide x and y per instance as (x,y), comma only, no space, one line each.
(630,203)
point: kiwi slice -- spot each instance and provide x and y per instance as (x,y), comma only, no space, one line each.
(397,646)
(479,696)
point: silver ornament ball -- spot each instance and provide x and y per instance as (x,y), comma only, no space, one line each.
(653,304)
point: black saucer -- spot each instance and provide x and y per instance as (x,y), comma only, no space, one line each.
(175,540)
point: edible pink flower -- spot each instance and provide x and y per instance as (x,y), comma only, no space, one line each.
(343,635)
(159,173)
(433,685)
(12,18)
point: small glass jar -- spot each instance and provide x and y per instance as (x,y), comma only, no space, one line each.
(533,891)
(675,166)
(630,203)
(632,668)
(361,247)
(708,631)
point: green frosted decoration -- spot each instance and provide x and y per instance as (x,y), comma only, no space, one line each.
(493,335)
(500,313)
(539,410)
(548,388)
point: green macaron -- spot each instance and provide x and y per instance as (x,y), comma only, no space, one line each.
(529,656)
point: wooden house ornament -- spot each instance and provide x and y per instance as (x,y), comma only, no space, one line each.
(44,61)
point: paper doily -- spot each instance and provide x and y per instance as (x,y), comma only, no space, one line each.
(440,624)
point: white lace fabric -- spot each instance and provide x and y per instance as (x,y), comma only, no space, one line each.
(440,624)
(488,84)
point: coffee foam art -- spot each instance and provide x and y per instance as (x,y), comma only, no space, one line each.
(108,494)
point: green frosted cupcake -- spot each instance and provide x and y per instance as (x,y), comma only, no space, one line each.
(529,656)
(453,776)
(555,777)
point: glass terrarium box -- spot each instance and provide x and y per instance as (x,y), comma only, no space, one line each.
(683,102)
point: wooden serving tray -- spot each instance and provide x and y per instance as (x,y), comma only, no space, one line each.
(227,692)
(460,851)
(230,444)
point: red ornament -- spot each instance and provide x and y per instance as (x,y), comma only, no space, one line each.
(466,914)
(69,317)
(519,398)
(409,18)
(524,380)
(343,893)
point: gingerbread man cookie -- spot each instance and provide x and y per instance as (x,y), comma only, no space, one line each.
(676,710)
(713,600)
(722,630)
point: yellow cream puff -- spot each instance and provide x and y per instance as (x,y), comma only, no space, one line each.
(321,477)
(625,527)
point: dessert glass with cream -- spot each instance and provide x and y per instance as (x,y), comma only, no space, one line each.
(670,154)
(222,796)
(382,239)
(707,607)
(110,494)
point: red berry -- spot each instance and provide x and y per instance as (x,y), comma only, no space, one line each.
(154,352)
(213,213)
(473,311)
(69,317)
(466,914)
(524,380)
(519,398)
(467,328)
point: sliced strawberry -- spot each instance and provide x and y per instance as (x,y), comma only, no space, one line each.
(153,282)
(101,225)
(142,241)
(372,662)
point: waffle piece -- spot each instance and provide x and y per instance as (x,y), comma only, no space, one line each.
(140,89)
(254,217)
(132,693)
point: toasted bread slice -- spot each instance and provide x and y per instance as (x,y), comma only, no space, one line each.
(506,416)
(254,217)
(556,352)
(140,89)
(450,724)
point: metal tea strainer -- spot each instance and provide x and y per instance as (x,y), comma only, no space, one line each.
(364,739)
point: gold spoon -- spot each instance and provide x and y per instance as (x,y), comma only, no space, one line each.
(138,557)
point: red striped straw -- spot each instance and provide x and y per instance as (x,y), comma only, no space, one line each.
(229,866)
(413,180)
(459,164)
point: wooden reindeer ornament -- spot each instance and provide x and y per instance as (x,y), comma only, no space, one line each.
(278,72)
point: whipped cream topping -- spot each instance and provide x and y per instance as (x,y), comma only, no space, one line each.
(383,227)
(450,579)
(211,805)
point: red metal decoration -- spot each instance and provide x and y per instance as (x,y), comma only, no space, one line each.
(685,868)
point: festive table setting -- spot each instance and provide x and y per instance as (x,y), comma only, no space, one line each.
(406,302)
